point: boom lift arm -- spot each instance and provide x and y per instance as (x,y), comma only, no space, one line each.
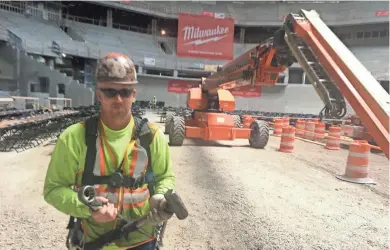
(331,67)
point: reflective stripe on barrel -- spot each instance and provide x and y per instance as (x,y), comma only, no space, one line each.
(315,120)
(300,132)
(287,140)
(333,139)
(357,163)
(319,131)
(309,130)
(278,125)
(286,121)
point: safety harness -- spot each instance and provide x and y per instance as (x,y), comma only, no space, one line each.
(116,180)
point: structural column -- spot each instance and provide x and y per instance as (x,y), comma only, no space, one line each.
(154,28)
(242,34)
(109,18)
(50,63)
(17,68)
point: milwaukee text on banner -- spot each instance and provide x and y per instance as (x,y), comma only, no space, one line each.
(206,37)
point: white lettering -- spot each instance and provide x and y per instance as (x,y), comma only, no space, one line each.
(191,32)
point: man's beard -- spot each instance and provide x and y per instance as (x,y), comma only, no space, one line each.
(117,111)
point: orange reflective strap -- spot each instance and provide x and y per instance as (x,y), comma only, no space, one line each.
(102,164)
(134,157)
(103,160)
(136,191)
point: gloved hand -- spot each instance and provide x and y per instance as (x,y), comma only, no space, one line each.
(157,205)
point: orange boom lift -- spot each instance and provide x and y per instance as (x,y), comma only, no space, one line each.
(333,70)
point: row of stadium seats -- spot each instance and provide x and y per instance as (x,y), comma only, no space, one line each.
(267,11)
(28,132)
(37,36)
(182,110)
(18,113)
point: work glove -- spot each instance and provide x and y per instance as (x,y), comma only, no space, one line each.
(157,205)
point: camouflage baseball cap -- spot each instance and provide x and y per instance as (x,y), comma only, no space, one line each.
(116,68)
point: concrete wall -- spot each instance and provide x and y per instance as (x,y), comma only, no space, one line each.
(32,70)
(6,74)
(158,86)
(6,69)
(364,34)
(290,99)
(375,59)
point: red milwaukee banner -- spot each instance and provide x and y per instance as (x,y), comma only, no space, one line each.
(382,13)
(203,36)
(247,91)
(178,86)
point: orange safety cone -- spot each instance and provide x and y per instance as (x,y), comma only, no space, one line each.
(315,120)
(333,139)
(319,131)
(357,164)
(278,125)
(300,131)
(309,130)
(287,140)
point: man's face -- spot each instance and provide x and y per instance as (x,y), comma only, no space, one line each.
(116,99)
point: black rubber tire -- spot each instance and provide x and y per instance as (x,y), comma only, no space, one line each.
(259,135)
(177,131)
(168,122)
(237,121)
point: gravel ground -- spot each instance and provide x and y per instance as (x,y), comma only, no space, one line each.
(238,198)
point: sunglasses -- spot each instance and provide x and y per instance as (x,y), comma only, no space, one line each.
(110,93)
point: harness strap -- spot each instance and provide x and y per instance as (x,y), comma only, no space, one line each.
(146,137)
(91,133)
(142,132)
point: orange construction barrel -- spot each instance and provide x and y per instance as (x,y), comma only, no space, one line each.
(356,170)
(309,130)
(333,138)
(319,132)
(278,125)
(286,121)
(287,140)
(315,120)
(300,131)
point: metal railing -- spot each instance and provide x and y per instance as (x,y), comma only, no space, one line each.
(167,10)
(341,12)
